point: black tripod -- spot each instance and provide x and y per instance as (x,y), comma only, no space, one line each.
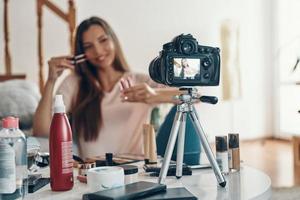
(185,108)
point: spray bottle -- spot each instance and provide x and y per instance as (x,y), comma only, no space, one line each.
(61,163)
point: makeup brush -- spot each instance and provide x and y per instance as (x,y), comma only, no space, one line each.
(78,59)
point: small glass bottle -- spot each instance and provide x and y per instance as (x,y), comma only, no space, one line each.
(13,160)
(222,153)
(234,152)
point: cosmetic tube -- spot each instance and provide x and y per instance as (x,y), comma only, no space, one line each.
(146,139)
(152,146)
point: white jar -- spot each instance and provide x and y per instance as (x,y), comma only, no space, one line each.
(103,178)
(131,173)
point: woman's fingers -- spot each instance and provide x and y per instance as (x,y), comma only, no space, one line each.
(63,57)
(67,65)
(122,85)
(61,63)
(126,83)
(58,64)
(129,81)
(134,97)
(134,88)
(135,93)
(138,93)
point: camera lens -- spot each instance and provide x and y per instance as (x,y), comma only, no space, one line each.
(154,70)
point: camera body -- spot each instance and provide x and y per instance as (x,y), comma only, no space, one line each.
(183,62)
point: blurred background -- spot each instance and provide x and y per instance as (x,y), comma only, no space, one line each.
(259,94)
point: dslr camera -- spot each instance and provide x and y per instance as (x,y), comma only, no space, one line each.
(183,62)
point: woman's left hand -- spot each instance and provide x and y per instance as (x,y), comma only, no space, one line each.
(139,93)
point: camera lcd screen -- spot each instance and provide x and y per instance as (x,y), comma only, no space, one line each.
(186,68)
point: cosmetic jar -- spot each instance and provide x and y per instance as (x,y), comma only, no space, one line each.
(103,178)
(131,173)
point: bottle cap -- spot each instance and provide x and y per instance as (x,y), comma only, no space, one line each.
(129,169)
(233,140)
(109,159)
(10,122)
(221,143)
(59,106)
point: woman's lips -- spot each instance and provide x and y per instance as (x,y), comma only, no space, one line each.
(100,58)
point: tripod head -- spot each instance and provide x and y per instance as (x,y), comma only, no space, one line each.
(192,94)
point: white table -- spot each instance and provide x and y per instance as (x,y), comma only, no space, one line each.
(249,183)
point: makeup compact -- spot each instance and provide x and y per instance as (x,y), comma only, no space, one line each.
(103,178)
(131,173)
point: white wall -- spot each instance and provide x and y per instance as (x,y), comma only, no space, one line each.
(287,51)
(143,26)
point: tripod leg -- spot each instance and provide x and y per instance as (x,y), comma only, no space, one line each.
(180,146)
(170,147)
(220,178)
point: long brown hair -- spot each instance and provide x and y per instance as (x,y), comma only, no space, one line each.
(87,112)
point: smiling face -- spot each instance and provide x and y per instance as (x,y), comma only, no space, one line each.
(98,47)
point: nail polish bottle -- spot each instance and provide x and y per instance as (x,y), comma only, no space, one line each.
(222,153)
(234,152)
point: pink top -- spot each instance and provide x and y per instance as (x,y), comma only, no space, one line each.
(121,132)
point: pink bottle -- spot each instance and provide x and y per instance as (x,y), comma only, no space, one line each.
(61,162)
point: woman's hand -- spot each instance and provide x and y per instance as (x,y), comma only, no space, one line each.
(139,93)
(57,65)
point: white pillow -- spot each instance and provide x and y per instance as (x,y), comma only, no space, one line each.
(19,98)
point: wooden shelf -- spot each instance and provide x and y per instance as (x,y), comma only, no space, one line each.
(9,77)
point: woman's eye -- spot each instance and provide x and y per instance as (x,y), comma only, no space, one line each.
(102,40)
(87,47)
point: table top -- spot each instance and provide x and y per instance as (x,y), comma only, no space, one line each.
(248,183)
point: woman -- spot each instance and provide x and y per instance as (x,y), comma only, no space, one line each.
(104,118)
(185,68)
(187,71)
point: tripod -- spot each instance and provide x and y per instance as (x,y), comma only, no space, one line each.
(185,108)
